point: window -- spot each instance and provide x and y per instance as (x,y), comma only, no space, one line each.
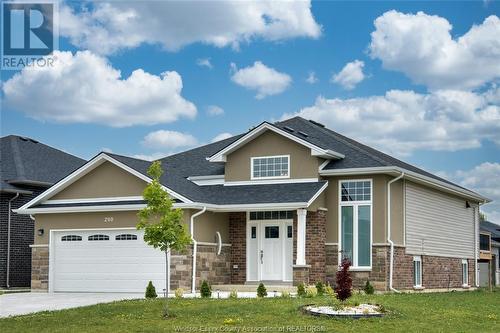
(271,215)
(355,222)
(289,232)
(272,232)
(465,272)
(254,232)
(270,167)
(417,271)
(71,238)
(98,238)
(484,242)
(126,237)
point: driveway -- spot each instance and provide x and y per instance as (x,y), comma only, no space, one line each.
(24,303)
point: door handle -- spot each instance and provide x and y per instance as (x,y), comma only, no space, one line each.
(261,256)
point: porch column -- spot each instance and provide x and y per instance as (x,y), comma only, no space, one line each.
(301,237)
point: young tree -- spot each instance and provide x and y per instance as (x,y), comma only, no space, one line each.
(162,224)
(344,281)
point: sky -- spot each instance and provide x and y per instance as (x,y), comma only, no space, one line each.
(417,80)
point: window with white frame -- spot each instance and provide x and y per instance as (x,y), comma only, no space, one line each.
(417,271)
(270,167)
(465,272)
(356,221)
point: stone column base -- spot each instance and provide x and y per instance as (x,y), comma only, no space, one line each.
(40,268)
(301,274)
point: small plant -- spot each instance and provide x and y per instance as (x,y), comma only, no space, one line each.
(369,290)
(179,292)
(311,291)
(320,288)
(205,290)
(261,290)
(150,291)
(329,290)
(344,281)
(301,290)
(285,294)
(233,294)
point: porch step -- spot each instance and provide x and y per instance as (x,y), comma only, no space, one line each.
(253,287)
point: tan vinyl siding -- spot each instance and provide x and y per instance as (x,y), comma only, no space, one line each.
(437,223)
(302,164)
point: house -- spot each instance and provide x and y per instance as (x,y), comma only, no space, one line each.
(282,203)
(489,255)
(27,168)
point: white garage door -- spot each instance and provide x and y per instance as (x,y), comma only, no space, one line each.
(105,261)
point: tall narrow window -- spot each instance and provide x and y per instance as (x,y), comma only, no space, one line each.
(417,271)
(356,221)
(465,273)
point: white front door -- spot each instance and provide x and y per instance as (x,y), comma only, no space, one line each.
(271,253)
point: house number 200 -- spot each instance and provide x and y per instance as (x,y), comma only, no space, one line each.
(108,219)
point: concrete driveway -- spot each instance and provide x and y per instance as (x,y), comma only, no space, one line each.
(24,303)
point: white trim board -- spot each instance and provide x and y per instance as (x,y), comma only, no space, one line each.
(86,200)
(271,181)
(220,156)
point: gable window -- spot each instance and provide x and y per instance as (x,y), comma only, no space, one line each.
(270,167)
(356,222)
(98,238)
(71,238)
(126,237)
(484,242)
(465,272)
(417,272)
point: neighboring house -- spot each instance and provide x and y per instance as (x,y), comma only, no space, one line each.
(27,168)
(489,256)
(282,203)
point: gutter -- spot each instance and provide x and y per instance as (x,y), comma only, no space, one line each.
(8,239)
(195,248)
(389,240)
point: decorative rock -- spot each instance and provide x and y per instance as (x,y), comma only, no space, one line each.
(360,311)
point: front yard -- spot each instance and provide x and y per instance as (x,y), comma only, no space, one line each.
(476,311)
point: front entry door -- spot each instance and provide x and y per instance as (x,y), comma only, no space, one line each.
(271,253)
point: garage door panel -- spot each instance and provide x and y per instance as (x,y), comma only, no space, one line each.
(106,265)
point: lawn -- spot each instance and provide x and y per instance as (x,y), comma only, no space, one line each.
(477,311)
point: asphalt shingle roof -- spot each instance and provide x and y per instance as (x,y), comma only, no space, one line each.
(491,227)
(24,160)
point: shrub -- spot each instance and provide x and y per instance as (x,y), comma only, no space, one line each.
(285,294)
(329,290)
(311,291)
(261,290)
(179,292)
(369,290)
(344,281)
(320,288)
(301,290)
(233,294)
(150,291)
(205,290)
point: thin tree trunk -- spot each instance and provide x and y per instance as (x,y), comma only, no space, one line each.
(167,287)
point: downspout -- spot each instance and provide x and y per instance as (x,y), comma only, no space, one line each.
(389,240)
(195,248)
(476,239)
(8,239)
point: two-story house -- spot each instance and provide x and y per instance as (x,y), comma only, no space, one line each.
(282,203)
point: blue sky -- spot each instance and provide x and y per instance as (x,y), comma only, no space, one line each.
(461,145)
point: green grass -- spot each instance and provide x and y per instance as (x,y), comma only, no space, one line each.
(476,311)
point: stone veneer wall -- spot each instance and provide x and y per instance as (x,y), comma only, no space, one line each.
(40,268)
(238,240)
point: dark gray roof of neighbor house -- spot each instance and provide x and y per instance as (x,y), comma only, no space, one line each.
(493,228)
(194,162)
(24,161)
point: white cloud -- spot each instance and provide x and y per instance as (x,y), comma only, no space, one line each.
(311,78)
(150,157)
(401,122)
(484,179)
(204,62)
(214,110)
(350,75)
(221,136)
(109,27)
(422,47)
(85,88)
(163,139)
(265,80)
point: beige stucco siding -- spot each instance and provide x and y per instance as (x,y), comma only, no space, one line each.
(302,164)
(205,225)
(106,180)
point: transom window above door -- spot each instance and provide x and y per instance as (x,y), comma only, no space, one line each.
(270,167)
